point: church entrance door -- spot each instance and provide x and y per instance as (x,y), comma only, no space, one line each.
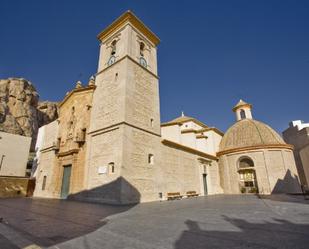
(65,188)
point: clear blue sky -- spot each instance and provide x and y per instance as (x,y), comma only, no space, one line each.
(211,53)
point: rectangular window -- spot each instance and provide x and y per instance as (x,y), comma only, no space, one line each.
(111,167)
(44,183)
(150,159)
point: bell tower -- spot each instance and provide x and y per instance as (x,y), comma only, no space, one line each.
(242,110)
(125,119)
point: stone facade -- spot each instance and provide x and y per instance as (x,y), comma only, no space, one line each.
(63,143)
(126,154)
(254,158)
(275,171)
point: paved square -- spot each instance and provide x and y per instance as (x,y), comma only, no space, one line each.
(222,221)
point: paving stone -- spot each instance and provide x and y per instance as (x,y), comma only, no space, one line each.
(221,221)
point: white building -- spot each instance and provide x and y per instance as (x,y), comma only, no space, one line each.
(14,153)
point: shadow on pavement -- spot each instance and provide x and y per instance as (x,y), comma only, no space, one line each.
(47,222)
(6,244)
(279,234)
(292,198)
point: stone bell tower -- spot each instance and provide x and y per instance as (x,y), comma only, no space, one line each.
(242,110)
(125,119)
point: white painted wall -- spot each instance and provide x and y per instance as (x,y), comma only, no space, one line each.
(304,155)
(14,153)
(299,124)
(190,139)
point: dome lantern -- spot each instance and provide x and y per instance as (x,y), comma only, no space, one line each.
(242,110)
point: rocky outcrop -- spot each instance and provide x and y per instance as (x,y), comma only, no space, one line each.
(20,110)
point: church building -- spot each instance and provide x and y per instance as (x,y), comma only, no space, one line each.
(109,145)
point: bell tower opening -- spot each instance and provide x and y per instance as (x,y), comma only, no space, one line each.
(242,110)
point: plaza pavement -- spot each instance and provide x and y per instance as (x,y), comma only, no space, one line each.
(221,221)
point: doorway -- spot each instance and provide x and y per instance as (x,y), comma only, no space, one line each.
(65,188)
(247,181)
(205,184)
(247,176)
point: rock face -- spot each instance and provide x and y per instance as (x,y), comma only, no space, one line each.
(20,110)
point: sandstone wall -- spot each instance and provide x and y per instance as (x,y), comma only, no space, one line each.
(275,171)
(13,186)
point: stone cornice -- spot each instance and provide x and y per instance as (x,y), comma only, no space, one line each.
(188,149)
(188,131)
(241,106)
(201,136)
(256,147)
(93,133)
(50,148)
(214,129)
(182,122)
(129,18)
(67,153)
(130,58)
(75,90)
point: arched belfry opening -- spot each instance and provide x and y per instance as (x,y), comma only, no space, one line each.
(242,110)
(141,48)
(113,47)
(247,176)
(242,114)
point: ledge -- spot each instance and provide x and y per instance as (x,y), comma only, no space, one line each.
(256,147)
(188,149)
(69,152)
(75,90)
(129,17)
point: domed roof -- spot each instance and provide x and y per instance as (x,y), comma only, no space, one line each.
(247,133)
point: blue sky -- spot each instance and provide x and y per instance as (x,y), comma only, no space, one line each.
(212,53)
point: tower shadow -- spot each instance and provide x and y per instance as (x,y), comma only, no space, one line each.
(277,234)
(47,222)
(289,184)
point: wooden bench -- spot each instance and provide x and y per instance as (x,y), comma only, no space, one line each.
(174,196)
(192,194)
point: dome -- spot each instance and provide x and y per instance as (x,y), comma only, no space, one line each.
(247,133)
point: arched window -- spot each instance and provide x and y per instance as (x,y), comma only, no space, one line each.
(111,167)
(245,163)
(141,48)
(113,47)
(150,159)
(242,114)
(44,182)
